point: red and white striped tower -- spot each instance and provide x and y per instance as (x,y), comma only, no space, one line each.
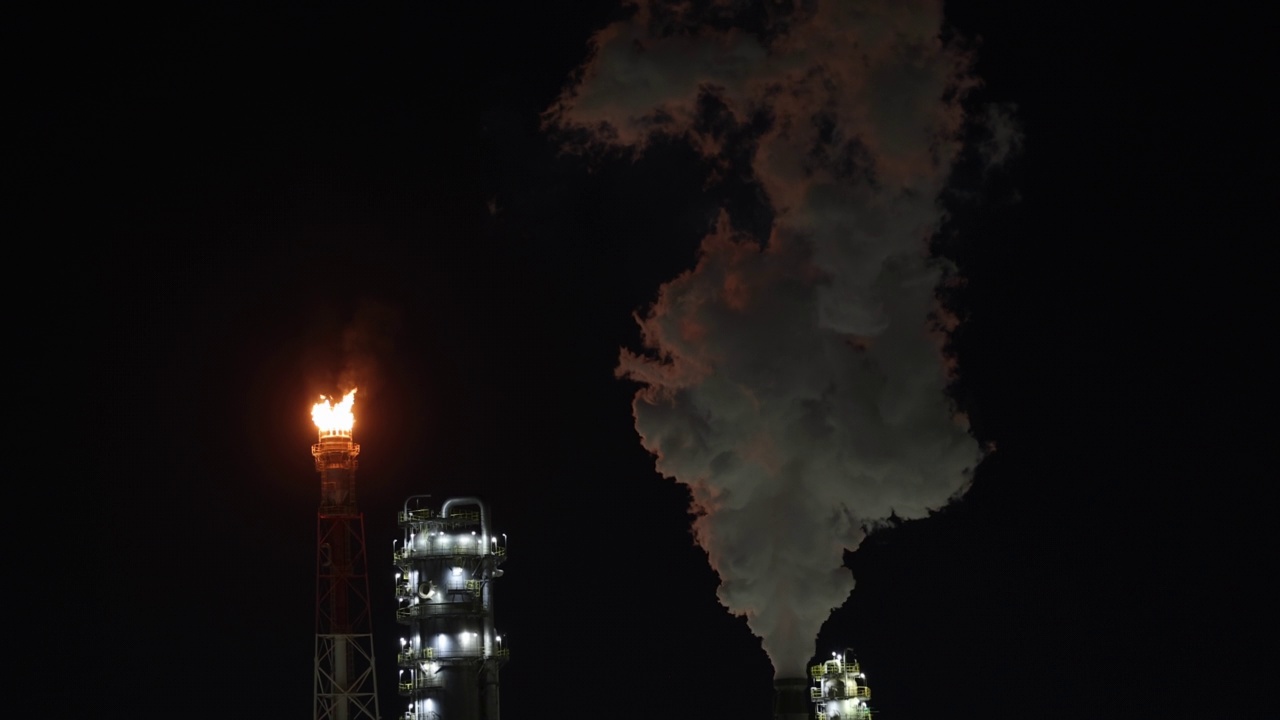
(345,687)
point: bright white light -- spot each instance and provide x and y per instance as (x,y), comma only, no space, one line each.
(457,571)
(402,641)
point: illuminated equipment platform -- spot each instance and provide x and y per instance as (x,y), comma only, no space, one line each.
(345,687)
(840,689)
(450,653)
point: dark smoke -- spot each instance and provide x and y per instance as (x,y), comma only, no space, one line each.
(366,342)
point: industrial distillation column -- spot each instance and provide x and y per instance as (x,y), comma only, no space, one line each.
(345,687)
(450,652)
(840,689)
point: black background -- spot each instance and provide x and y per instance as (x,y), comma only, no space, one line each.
(210,196)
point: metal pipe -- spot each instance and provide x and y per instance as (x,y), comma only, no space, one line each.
(484,512)
(492,710)
(340,681)
(486,602)
(412,497)
(791,699)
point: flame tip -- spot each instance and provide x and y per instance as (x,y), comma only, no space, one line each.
(334,418)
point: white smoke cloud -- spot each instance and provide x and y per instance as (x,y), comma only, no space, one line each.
(795,383)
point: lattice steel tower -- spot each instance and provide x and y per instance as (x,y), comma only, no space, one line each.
(345,687)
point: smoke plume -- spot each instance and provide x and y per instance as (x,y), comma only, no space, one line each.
(366,341)
(796,382)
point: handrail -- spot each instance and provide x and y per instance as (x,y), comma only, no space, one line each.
(833,667)
(862,713)
(470,607)
(857,692)
(422,682)
(452,550)
(410,658)
(427,515)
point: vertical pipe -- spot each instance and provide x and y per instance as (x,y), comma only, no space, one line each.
(491,690)
(791,699)
(340,681)
(486,602)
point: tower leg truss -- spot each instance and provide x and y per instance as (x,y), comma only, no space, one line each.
(345,685)
(345,688)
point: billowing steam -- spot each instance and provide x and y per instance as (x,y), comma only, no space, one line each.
(795,383)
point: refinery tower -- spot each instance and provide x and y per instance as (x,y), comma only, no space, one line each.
(838,688)
(345,687)
(450,652)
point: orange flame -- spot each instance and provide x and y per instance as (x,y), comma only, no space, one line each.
(333,419)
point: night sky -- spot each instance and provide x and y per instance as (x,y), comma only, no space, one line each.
(230,205)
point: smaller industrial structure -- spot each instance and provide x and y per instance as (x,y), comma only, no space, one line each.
(449,653)
(840,689)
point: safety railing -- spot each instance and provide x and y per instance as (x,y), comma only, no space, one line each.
(862,713)
(474,650)
(416,515)
(455,520)
(857,692)
(409,658)
(833,667)
(434,609)
(457,651)
(424,681)
(452,549)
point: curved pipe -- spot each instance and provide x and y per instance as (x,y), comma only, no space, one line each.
(411,498)
(484,512)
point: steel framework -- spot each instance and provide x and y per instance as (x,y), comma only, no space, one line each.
(345,683)
(451,652)
(840,689)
